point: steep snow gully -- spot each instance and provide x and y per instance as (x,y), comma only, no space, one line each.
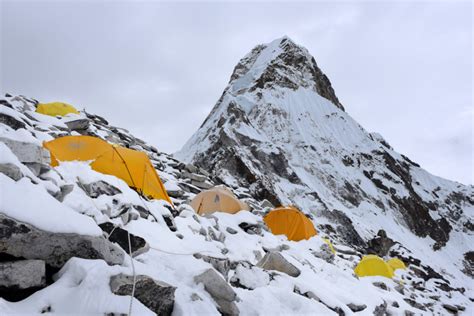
(76,241)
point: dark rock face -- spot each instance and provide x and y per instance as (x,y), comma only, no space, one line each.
(380,245)
(469,263)
(11,121)
(25,241)
(156,295)
(120,236)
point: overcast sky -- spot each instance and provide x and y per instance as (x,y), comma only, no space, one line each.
(157,68)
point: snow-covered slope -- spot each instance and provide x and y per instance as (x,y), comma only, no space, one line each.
(280,130)
(64,231)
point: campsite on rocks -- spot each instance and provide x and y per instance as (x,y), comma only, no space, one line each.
(279,204)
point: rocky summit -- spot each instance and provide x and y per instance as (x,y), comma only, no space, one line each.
(77,241)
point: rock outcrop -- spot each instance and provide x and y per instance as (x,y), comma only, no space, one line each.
(22,240)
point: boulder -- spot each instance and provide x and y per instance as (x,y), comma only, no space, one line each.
(252,229)
(220,264)
(23,240)
(22,274)
(193,176)
(158,296)
(356,308)
(276,261)
(78,125)
(380,245)
(95,189)
(10,170)
(220,291)
(28,152)
(120,236)
(230,230)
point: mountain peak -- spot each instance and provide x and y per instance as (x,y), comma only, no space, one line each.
(281,64)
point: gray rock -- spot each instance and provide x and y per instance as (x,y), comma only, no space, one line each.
(175,193)
(380,245)
(191,168)
(415,304)
(37,168)
(381,285)
(78,125)
(27,152)
(22,274)
(10,170)
(324,253)
(95,189)
(158,296)
(193,176)
(381,310)
(65,190)
(220,291)
(450,308)
(266,203)
(230,230)
(220,264)
(11,121)
(202,185)
(204,172)
(356,308)
(276,261)
(26,241)
(120,236)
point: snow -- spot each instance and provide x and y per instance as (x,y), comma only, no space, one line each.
(41,210)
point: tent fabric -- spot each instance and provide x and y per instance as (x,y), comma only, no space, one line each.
(372,265)
(396,263)
(329,243)
(131,166)
(217,199)
(291,222)
(56,108)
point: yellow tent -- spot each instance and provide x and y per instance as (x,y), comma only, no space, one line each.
(396,263)
(291,222)
(329,243)
(131,166)
(372,265)
(56,108)
(217,199)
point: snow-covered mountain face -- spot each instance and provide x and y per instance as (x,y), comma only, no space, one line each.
(279,130)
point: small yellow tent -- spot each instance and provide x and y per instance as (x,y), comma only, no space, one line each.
(291,222)
(372,265)
(132,166)
(329,243)
(217,199)
(396,263)
(56,108)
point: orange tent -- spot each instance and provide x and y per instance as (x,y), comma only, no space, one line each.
(217,199)
(131,166)
(291,222)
